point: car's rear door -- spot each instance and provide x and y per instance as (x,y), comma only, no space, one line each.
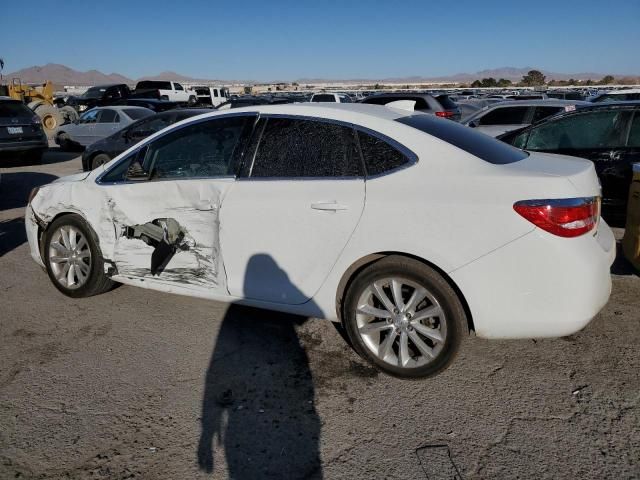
(292,212)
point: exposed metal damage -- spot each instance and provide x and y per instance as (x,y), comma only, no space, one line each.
(142,235)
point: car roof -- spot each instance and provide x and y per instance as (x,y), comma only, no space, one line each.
(543,102)
(612,104)
(107,85)
(404,95)
(120,107)
(620,92)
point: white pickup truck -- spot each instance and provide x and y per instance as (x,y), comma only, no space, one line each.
(210,96)
(172,91)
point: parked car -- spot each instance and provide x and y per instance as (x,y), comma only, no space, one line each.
(606,134)
(152,104)
(172,91)
(565,95)
(102,151)
(96,124)
(210,96)
(440,105)
(456,231)
(512,115)
(626,95)
(248,100)
(21,131)
(327,97)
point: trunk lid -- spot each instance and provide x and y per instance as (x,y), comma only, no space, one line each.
(579,172)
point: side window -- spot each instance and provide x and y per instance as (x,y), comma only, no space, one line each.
(178,86)
(379,156)
(107,116)
(306,148)
(543,112)
(149,127)
(215,92)
(602,129)
(119,171)
(505,116)
(634,133)
(90,117)
(203,149)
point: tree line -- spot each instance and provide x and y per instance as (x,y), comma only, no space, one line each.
(535,78)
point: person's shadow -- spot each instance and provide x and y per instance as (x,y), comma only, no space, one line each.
(258,400)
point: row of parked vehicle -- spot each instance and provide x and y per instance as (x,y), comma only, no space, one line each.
(605,132)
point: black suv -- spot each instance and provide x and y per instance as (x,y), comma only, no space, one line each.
(21,132)
(607,134)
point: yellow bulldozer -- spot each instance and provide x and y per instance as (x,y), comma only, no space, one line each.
(40,99)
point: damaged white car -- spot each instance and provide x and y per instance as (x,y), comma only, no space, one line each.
(408,229)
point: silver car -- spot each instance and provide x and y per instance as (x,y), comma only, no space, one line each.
(511,115)
(98,123)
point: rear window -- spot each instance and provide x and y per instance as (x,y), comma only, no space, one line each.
(323,98)
(137,113)
(446,102)
(145,84)
(482,146)
(14,109)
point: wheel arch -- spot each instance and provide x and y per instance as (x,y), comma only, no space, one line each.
(357,266)
(43,229)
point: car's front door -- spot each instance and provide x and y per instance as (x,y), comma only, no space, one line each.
(108,123)
(82,132)
(288,218)
(165,210)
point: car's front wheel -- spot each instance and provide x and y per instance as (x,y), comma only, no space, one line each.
(404,317)
(73,258)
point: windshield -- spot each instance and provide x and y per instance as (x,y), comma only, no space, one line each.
(14,109)
(94,92)
(482,146)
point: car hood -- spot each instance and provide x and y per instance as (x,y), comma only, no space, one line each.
(76,177)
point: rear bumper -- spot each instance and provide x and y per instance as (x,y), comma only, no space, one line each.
(25,146)
(539,285)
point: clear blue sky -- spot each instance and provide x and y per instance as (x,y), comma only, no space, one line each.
(269,40)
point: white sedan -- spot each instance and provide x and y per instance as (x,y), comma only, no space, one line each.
(409,229)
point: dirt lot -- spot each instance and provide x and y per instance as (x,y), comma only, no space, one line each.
(139,384)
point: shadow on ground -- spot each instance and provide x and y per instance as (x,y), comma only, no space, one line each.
(622,266)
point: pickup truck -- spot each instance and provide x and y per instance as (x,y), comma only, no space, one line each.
(210,96)
(121,94)
(166,90)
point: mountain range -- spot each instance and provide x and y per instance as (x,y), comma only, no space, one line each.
(63,75)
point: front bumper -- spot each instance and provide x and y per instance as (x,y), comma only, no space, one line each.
(539,285)
(32,229)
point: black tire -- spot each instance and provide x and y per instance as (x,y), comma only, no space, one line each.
(426,277)
(99,159)
(97,282)
(64,142)
(50,116)
(192,101)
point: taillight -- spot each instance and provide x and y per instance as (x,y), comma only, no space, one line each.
(444,114)
(569,217)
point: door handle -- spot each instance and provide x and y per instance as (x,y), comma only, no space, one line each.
(328,206)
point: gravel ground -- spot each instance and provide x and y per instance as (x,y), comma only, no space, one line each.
(141,384)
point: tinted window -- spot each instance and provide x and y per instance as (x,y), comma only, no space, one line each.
(203,149)
(543,112)
(446,102)
(305,148)
(634,133)
(107,116)
(178,86)
(137,113)
(602,129)
(14,109)
(379,156)
(482,146)
(150,84)
(505,116)
(323,98)
(149,127)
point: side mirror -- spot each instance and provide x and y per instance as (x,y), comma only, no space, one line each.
(136,173)
(473,124)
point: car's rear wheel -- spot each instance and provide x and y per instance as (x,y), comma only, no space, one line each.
(404,318)
(64,141)
(73,258)
(98,160)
